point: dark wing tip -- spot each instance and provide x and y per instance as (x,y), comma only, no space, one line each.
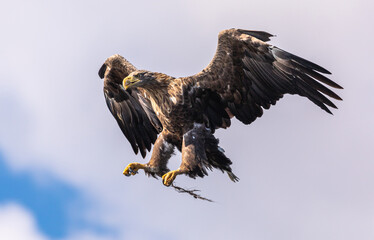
(316,67)
(263,36)
(286,55)
(329,112)
(102,71)
(339,87)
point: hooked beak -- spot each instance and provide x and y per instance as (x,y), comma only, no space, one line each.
(129,81)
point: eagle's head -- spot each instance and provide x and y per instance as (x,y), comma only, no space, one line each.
(146,80)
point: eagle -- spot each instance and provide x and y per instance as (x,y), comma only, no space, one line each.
(246,76)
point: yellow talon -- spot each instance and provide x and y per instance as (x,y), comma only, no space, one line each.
(133,168)
(169,177)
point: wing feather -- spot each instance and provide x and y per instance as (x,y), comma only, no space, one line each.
(132,111)
(134,116)
(250,75)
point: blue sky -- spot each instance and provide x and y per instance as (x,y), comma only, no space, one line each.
(303,174)
(55,205)
(49,202)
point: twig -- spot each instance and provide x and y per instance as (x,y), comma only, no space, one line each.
(191,192)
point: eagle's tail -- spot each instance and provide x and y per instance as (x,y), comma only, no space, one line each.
(216,157)
(232,176)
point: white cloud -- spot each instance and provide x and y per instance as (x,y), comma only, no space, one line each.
(17,223)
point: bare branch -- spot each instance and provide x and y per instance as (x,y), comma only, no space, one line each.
(192,192)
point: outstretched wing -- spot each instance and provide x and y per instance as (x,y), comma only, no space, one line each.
(133,113)
(250,75)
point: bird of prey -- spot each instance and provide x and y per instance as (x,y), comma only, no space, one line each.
(246,76)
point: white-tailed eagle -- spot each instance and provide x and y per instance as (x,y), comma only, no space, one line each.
(246,76)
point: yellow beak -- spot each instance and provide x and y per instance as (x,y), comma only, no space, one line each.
(129,81)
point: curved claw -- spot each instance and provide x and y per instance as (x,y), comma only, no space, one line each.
(130,172)
(168,178)
(132,169)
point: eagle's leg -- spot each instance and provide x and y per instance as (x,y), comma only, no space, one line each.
(162,152)
(194,158)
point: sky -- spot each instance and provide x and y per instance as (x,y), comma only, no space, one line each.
(304,174)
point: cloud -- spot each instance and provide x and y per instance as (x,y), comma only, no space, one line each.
(17,223)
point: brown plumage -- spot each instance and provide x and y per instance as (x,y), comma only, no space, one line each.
(245,76)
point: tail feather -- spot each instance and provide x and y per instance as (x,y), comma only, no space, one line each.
(232,176)
(217,158)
